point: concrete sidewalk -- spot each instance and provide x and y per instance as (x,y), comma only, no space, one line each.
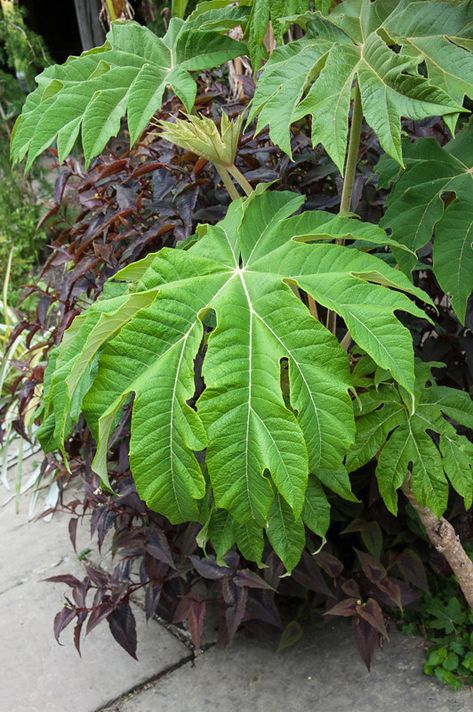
(321,674)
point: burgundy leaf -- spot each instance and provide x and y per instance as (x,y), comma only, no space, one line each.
(96,576)
(373,569)
(61,182)
(308,574)
(345,608)
(195,621)
(411,567)
(329,563)
(78,628)
(208,568)
(351,588)
(123,628)
(97,615)
(73,531)
(366,639)
(158,547)
(68,579)
(62,619)
(152,597)
(234,615)
(372,614)
(392,589)
(248,578)
(262,608)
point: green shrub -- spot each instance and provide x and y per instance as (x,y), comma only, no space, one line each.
(240,351)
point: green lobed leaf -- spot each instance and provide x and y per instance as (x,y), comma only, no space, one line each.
(403,443)
(136,349)
(89,95)
(417,208)
(316,512)
(285,533)
(355,43)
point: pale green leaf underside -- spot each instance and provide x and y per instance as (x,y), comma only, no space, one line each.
(315,76)
(89,95)
(137,348)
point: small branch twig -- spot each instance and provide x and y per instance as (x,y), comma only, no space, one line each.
(446,541)
(313,306)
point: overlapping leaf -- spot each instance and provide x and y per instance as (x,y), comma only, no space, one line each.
(421,206)
(356,43)
(423,443)
(264,12)
(261,438)
(128,75)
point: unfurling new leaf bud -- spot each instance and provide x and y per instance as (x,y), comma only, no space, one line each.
(204,138)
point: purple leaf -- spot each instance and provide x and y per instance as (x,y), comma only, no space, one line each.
(330,564)
(208,568)
(73,532)
(248,578)
(152,596)
(78,628)
(366,639)
(62,619)
(235,614)
(345,608)
(123,628)
(97,615)
(309,575)
(373,569)
(411,567)
(158,547)
(68,579)
(372,614)
(351,588)
(195,621)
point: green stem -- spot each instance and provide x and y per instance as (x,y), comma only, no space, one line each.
(227,182)
(346,341)
(240,179)
(349,177)
(353,150)
(111,10)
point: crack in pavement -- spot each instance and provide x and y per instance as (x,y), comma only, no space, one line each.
(134,691)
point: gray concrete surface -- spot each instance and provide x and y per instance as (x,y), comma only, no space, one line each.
(38,675)
(321,674)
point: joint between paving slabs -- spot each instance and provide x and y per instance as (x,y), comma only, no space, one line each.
(114,705)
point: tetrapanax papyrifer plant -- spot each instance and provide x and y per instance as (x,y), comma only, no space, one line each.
(235,352)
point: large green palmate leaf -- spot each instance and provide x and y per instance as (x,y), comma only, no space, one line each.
(89,95)
(357,43)
(261,439)
(421,206)
(264,12)
(424,443)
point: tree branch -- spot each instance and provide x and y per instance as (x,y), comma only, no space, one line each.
(446,541)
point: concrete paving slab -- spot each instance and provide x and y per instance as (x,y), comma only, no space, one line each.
(36,674)
(321,674)
(30,548)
